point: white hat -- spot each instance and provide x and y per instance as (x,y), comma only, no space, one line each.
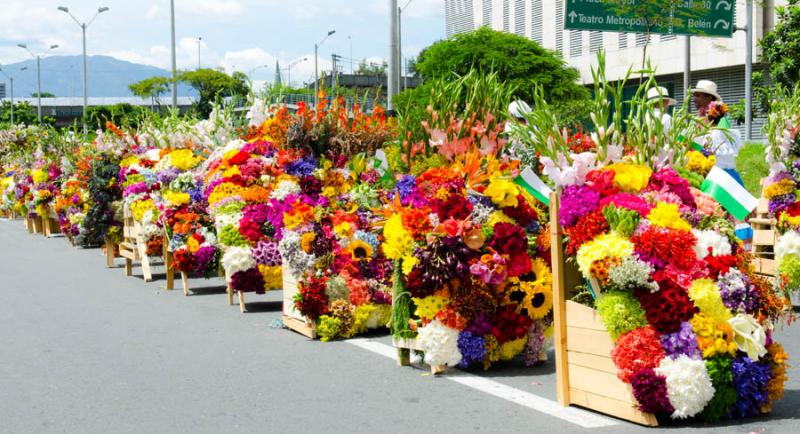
(661,93)
(519,109)
(707,87)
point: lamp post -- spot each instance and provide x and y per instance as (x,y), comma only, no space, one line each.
(11,80)
(289,69)
(38,58)
(316,68)
(83,27)
(400,42)
(174,62)
(199,40)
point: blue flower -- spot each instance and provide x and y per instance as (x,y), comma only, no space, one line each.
(472,348)
(302,167)
(750,380)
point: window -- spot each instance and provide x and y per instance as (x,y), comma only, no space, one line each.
(642,39)
(536,22)
(595,41)
(560,26)
(575,43)
(519,17)
(487,13)
(623,41)
(506,16)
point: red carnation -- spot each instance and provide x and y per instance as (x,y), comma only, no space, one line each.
(250,229)
(637,349)
(661,246)
(509,325)
(666,308)
(511,240)
(455,206)
(588,227)
(239,158)
(312,301)
(602,181)
(523,214)
(719,264)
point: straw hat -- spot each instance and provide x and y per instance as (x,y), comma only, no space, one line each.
(661,93)
(707,87)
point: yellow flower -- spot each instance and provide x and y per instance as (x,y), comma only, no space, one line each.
(408,263)
(292,221)
(706,296)
(502,192)
(498,217)
(699,163)
(39,176)
(360,250)
(273,279)
(788,221)
(398,242)
(129,161)
(139,208)
(428,307)
(784,186)
(176,198)
(713,337)
(231,171)
(667,215)
(343,230)
(630,177)
(183,159)
(193,245)
(306,241)
(601,247)
(510,349)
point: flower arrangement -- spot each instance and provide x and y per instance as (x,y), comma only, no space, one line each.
(141,192)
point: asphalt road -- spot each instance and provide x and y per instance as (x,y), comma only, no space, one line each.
(84,349)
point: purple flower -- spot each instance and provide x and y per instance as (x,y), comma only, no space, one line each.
(780,203)
(266,253)
(683,341)
(302,167)
(139,187)
(204,257)
(738,293)
(404,187)
(750,380)
(258,213)
(196,195)
(168,175)
(248,281)
(576,202)
(472,348)
(650,390)
(481,325)
(535,345)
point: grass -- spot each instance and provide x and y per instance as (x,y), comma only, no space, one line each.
(752,166)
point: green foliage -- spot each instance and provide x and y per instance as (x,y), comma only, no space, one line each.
(372,69)
(623,221)
(620,312)
(213,85)
(24,113)
(518,62)
(44,95)
(152,87)
(781,47)
(122,114)
(752,165)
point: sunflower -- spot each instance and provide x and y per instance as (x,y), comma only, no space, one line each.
(306,242)
(533,294)
(360,250)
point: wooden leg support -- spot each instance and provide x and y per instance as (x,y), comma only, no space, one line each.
(230,294)
(109,254)
(438,369)
(242,306)
(169,266)
(403,357)
(128,267)
(185,282)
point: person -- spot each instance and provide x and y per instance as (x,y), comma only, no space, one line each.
(723,141)
(660,99)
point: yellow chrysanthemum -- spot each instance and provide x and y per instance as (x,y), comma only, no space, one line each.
(139,208)
(498,217)
(428,307)
(502,192)
(398,242)
(231,171)
(176,198)
(601,247)
(699,163)
(713,337)
(193,245)
(784,186)
(273,279)
(184,159)
(129,161)
(630,177)
(706,296)
(39,176)
(787,221)
(510,349)
(667,215)
(224,190)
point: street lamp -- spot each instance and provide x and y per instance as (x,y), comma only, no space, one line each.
(83,27)
(38,58)
(289,69)
(400,40)
(11,79)
(316,68)
(199,40)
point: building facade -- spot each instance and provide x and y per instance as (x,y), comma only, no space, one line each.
(2,90)
(719,59)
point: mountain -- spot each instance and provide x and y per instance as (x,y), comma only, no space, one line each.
(63,76)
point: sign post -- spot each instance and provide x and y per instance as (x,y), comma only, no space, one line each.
(681,17)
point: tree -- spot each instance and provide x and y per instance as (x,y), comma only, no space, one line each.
(212,84)
(781,46)
(118,114)
(24,113)
(519,62)
(44,95)
(152,88)
(372,68)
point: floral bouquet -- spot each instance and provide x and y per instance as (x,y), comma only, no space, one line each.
(45,178)
(71,205)
(330,244)
(7,186)
(141,191)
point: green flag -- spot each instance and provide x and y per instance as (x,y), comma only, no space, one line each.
(730,194)
(534,185)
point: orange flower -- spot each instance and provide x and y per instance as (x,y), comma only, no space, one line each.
(416,220)
(256,193)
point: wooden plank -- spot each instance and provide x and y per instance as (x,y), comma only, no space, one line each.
(185,282)
(599,382)
(589,341)
(242,306)
(621,409)
(299,326)
(764,237)
(584,316)
(229,290)
(601,363)
(169,266)
(559,304)
(110,254)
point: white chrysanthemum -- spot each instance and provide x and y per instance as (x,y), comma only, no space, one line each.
(788,244)
(749,336)
(223,220)
(706,239)
(285,188)
(440,344)
(688,385)
(237,259)
(150,231)
(296,260)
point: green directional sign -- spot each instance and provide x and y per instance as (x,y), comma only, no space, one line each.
(681,17)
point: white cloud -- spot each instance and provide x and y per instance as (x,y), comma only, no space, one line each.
(153,12)
(210,8)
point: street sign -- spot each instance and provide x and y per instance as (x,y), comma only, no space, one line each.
(681,17)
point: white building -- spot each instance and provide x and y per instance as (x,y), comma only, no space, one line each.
(718,59)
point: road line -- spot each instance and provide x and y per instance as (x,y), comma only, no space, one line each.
(583,418)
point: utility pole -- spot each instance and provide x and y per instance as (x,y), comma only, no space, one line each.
(392,77)
(199,40)
(11,80)
(38,58)
(748,74)
(316,67)
(687,66)
(174,63)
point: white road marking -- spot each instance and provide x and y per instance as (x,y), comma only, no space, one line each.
(583,418)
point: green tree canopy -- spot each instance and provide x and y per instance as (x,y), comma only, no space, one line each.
(212,84)
(44,95)
(781,47)
(24,113)
(371,68)
(518,62)
(152,87)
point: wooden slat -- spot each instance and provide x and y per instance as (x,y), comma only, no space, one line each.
(764,237)
(589,341)
(593,361)
(559,304)
(621,409)
(584,316)
(599,382)
(303,327)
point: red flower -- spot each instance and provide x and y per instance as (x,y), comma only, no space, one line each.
(511,240)
(183,260)
(662,246)
(250,229)
(523,214)
(455,206)
(602,181)
(666,308)
(588,227)
(508,325)
(239,158)
(637,349)
(312,301)
(719,264)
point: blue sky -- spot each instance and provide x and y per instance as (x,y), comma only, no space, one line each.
(236,34)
